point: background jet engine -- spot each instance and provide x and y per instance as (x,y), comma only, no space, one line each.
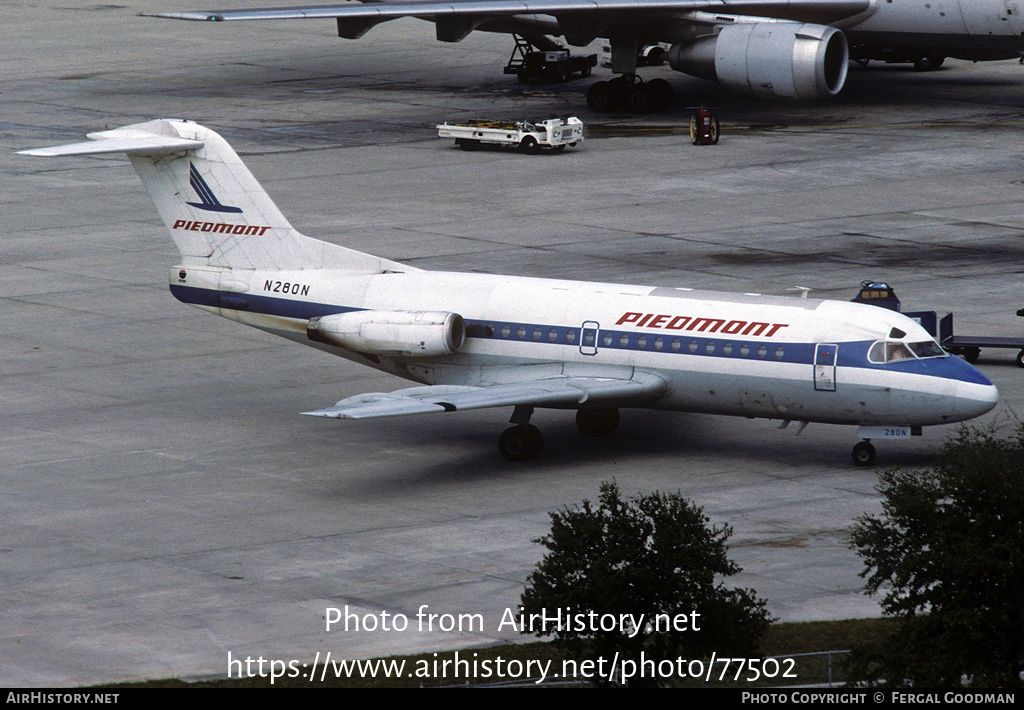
(403,333)
(769,60)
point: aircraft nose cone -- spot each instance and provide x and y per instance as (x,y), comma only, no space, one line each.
(975,393)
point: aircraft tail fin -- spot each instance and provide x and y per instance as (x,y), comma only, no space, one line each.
(216,211)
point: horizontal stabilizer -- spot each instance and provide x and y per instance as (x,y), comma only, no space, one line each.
(216,211)
(553,392)
(130,142)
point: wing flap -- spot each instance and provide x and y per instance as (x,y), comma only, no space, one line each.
(552,392)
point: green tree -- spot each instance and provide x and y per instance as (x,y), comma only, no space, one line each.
(947,557)
(654,555)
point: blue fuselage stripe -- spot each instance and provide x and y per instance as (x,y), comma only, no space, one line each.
(249,303)
(850,353)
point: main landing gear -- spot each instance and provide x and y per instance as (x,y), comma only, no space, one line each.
(523,441)
(597,422)
(627,91)
(630,93)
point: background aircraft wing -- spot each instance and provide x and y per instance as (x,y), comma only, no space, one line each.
(803,10)
(552,392)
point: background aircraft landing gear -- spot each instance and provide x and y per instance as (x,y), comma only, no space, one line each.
(863,453)
(597,422)
(926,61)
(630,94)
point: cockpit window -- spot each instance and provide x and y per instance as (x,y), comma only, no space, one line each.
(883,351)
(889,352)
(927,348)
(897,351)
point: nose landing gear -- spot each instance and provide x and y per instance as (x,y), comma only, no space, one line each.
(863,453)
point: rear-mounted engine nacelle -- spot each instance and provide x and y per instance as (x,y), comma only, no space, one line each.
(400,333)
(769,60)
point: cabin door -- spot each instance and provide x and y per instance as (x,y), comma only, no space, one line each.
(588,337)
(825,367)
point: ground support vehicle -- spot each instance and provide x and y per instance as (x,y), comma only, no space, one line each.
(650,55)
(548,63)
(878,293)
(529,136)
(703,127)
(969,346)
(922,59)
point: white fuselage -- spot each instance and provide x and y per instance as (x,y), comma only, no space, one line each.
(737,354)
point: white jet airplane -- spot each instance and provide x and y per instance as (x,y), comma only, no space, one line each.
(477,340)
(796,49)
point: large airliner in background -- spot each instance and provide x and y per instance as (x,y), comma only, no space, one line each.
(794,49)
(477,340)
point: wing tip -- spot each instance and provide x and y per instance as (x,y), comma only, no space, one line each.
(190,16)
(327,414)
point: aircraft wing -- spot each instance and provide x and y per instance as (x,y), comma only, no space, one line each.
(804,10)
(568,392)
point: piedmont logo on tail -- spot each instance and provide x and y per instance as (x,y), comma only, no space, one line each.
(477,340)
(209,200)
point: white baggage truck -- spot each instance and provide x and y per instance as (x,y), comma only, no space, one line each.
(529,136)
